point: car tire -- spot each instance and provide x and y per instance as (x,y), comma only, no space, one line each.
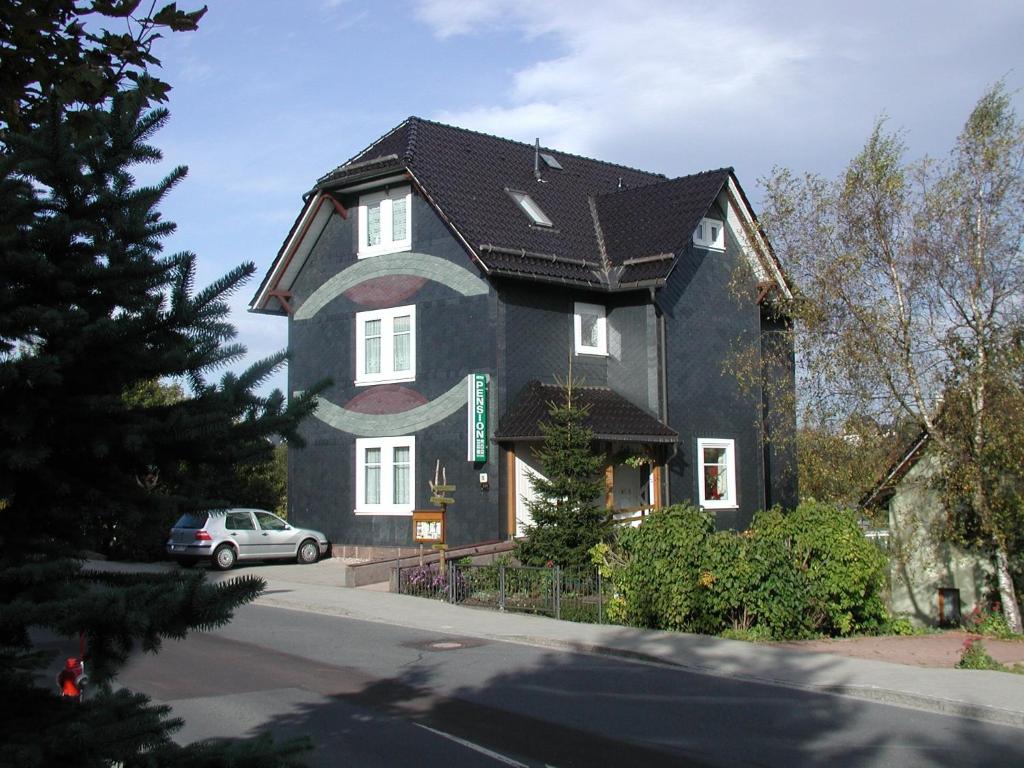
(224,558)
(309,552)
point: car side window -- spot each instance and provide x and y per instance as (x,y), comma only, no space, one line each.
(239,521)
(269,522)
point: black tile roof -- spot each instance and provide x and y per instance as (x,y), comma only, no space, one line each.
(467,175)
(610,416)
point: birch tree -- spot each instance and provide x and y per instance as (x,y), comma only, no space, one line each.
(912,289)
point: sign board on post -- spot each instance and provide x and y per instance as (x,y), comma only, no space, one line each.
(477,440)
(428,526)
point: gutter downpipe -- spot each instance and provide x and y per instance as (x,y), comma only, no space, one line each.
(663,388)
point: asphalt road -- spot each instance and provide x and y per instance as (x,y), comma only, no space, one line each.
(373,694)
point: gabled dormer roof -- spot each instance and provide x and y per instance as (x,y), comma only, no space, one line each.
(612,227)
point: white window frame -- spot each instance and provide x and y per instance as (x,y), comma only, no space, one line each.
(582,308)
(731,500)
(387,446)
(387,374)
(705,234)
(387,242)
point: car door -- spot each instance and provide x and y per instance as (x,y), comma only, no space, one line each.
(241,529)
(277,538)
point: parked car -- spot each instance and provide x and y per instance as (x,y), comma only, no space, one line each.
(224,536)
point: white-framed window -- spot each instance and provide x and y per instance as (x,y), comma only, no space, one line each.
(386,345)
(710,233)
(716,462)
(529,206)
(385,475)
(385,222)
(590,329)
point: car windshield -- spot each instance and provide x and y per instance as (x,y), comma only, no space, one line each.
(191,520)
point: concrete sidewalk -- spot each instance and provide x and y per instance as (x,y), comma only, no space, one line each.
(991,696)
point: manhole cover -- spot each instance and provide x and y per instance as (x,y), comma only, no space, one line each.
(448,644)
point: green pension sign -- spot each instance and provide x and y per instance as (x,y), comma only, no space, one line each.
(477,386)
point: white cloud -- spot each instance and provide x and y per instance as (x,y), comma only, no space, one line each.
(614,75)
(677,87)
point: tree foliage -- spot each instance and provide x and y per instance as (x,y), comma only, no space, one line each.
(567,520)
(911,277)
(92,315)
(60,50)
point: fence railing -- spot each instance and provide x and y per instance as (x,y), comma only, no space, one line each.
(563,593)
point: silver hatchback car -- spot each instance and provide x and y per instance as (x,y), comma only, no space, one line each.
(224,536)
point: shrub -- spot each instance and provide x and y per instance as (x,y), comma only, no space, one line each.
(974,656)
(845,571)
(989,621)
(807,572)
(656,583)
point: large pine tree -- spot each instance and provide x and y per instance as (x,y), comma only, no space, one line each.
(91,309)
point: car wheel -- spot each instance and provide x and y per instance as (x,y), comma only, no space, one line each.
(224,558)
(309,552)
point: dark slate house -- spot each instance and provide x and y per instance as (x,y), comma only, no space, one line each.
(444,280)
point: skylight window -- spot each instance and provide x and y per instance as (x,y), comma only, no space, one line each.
(550,161)
(530,208)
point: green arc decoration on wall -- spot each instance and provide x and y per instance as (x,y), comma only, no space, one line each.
(407,263)
(392,424)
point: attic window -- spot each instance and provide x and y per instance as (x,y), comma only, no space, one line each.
(550,161)
(530,208)
(710,234)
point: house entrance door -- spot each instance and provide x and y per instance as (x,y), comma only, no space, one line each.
(631,491)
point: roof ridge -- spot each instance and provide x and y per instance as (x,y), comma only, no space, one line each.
(532,146)
(723,169)
(371,145)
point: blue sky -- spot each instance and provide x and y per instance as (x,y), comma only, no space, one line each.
(267,96)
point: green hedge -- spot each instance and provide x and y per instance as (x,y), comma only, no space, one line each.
(807,572)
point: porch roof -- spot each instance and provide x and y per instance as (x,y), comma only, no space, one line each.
(610,416)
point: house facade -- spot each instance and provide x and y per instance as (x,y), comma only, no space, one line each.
(932,580)
(446,280)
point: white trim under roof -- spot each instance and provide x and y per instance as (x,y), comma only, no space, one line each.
(296,250)
(742,224)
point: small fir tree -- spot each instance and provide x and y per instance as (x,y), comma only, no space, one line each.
(567,520)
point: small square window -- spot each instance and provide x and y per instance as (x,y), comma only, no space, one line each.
(716,462)
(385,475)
(386,345)
(591,329)
(384,222)
(710,233)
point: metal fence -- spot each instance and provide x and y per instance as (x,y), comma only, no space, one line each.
(564,593)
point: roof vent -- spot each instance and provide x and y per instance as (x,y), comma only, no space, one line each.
(536,160)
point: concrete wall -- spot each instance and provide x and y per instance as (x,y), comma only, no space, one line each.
(921,562)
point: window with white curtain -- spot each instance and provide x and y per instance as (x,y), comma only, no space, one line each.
(386,345)
(385,475)
(384,225)
(590,329)
(716,460)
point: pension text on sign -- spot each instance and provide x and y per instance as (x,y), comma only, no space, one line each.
(477,385)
